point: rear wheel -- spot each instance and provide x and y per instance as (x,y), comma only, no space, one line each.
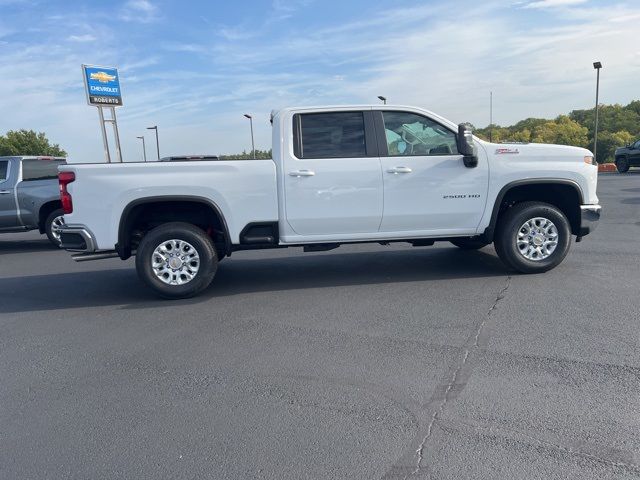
(532,237)
(176,260)
(622,164)
(52,224)
(469,243)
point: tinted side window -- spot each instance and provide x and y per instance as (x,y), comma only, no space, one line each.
(332,135)
(411,134)
(40,169)
(4,168)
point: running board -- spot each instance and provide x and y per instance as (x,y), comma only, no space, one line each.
(85,257)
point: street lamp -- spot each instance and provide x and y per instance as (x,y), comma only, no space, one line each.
(490,116)
(155,127)
(253,147)
(144,148)
(597,66)
(383,99)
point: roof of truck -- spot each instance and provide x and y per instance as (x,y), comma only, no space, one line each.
(372,106)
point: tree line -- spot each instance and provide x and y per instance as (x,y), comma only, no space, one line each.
(618,125)
(260,155)
(28,142)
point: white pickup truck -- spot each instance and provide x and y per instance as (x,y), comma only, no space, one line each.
(338,175)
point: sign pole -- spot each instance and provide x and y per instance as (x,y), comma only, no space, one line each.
(115,133)
(105,141)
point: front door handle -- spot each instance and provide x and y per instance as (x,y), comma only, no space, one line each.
(399,170)
(302,173)
(5,192)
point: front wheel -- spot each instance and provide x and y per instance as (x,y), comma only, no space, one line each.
(52,225)
(533,237)
(176,260)
(622,164)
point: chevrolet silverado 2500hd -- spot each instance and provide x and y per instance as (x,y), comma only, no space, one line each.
(338,175)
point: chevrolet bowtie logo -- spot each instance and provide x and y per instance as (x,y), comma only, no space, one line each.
(102,77)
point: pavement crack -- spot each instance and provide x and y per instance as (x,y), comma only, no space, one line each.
(454,383)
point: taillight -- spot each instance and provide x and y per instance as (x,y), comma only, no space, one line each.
(64,179)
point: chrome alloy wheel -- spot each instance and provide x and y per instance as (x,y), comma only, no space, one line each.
(537,239)
(55,228)
(175,262)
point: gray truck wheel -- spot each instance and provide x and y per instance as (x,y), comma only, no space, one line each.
(532,237)
(176,260)
(51,225)
(622,164)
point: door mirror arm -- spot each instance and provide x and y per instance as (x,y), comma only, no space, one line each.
(466,146)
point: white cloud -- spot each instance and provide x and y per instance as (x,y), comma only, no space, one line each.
(82,38)
(142,11)
(552,3)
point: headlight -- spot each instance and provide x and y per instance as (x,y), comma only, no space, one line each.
(588,159)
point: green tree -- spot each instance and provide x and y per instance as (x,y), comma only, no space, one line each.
(28,142)
(609,141)
(561,131)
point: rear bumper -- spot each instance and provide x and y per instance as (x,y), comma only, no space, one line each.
(77,238)
(589,217)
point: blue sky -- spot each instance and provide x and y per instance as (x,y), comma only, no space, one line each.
(194,67)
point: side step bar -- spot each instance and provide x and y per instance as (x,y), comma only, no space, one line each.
(85,257)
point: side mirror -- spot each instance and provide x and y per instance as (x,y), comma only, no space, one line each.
(466,146)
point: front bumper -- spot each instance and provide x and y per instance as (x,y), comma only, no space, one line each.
(77,238)
(589,217)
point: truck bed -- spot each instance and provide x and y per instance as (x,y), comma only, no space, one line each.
(244,190)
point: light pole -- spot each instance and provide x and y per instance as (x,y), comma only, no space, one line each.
(253,147)
(155,127)
(597,66)
(144,148)
(383,99)
(490,116)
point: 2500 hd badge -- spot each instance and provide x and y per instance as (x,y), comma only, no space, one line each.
(473,195)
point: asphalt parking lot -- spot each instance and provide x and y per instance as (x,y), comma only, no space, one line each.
(361,363)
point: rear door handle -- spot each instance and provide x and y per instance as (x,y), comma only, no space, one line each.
(400,170)
(302,173)
(5,192)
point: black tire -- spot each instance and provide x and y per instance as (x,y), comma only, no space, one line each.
(510,223)
(53,237)
(182,232)
(469,243)
(622,164)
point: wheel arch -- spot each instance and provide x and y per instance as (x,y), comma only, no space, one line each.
(563,193)
(134,210)
(44,211)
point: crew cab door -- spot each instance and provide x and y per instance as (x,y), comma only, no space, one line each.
(635,153)
(427,188)
(331,174)
(8,208)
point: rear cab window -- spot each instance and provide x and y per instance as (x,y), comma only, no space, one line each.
(40,169)
(332,135)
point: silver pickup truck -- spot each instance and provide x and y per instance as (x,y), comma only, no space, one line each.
(30,196)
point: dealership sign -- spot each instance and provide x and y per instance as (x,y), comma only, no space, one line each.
(102,85)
